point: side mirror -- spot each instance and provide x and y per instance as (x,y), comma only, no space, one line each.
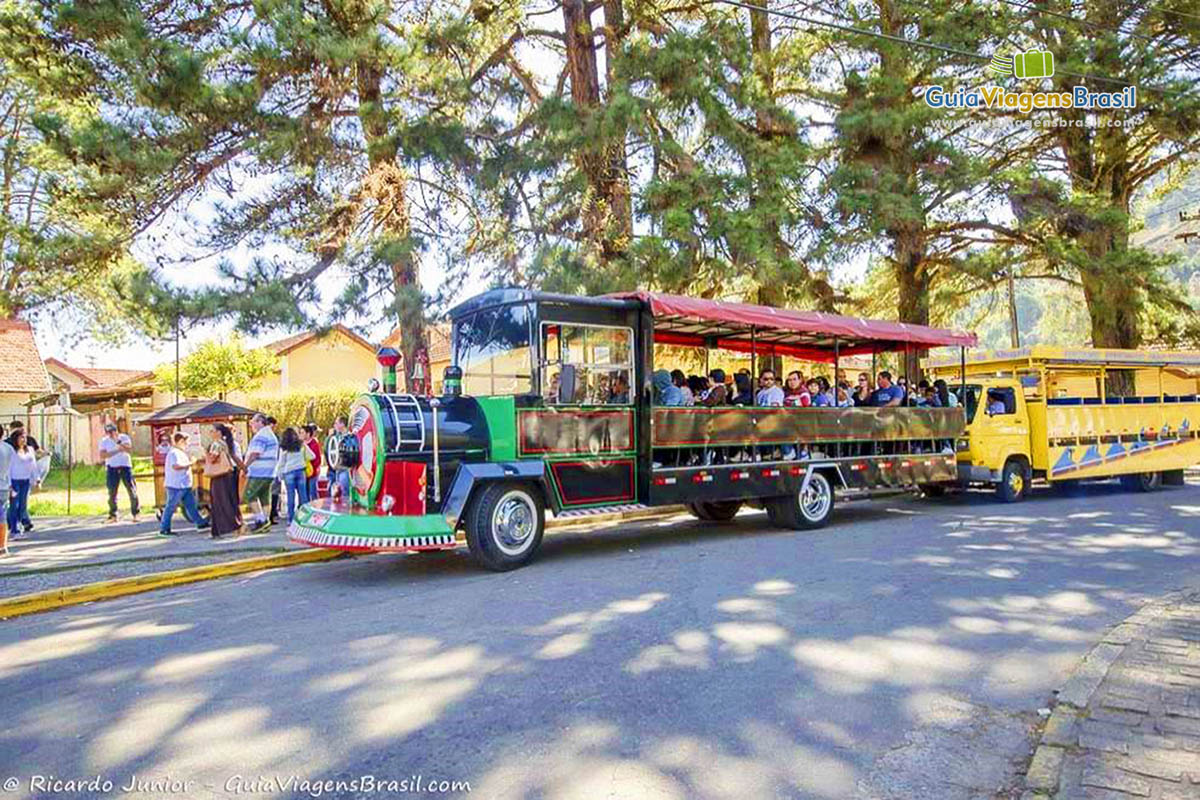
(566,384)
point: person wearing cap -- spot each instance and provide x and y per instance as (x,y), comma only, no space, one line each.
(115,449)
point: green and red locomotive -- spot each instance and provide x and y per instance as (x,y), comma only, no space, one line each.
(549,404)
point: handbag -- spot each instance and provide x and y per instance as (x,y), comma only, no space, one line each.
(222,466)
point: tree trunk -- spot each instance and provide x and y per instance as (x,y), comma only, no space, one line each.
(607,217)
(385,185)
(912,279)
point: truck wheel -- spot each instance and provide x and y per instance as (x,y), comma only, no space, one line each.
(1142,481)
(717,511)
(505,523)
(803,511)
(1014,481)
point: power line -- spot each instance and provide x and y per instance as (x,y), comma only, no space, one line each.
(931,45)
(1176,13)
(1076,20)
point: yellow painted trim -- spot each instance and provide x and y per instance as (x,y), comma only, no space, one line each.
(36,602)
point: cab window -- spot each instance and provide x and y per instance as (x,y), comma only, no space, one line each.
(492,347)
(602,358)
(1000,401)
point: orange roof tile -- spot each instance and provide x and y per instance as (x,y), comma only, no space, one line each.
(104,376)
(290,343)
(21,367)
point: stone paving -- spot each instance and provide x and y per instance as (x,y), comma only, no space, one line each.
(1128,723)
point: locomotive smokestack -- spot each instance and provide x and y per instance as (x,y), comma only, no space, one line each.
(389,357)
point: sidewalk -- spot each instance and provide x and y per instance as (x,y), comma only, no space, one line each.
(1128,721)
(67,551)
(71,551)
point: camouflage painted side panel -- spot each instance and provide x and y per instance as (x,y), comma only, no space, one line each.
(692,427)
(558,431)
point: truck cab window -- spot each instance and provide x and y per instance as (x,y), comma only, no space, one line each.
(1001,401)
(602,358)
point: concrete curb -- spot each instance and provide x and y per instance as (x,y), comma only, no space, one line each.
(36,602)
(22,573)
(1045,769)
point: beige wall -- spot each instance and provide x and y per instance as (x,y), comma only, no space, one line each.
(334,360)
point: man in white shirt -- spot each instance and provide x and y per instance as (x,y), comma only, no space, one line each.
(115,449)
(6,457)
(178,482)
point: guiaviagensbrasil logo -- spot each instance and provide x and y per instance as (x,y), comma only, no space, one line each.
(1032,64)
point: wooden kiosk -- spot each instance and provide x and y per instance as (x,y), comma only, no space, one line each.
(191,417)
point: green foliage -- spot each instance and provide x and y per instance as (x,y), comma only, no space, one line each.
(302,406)
(216,368)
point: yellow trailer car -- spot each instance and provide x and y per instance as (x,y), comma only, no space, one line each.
(1067,414)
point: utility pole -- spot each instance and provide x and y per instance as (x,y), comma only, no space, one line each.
(177,358)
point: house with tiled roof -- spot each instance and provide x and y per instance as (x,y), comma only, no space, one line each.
(318,359)
(22,373)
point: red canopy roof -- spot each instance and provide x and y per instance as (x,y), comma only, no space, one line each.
(804,334)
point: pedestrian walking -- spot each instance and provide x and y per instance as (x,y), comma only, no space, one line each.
(293,454)
(262,454)
(178,482)
(6,457)
(308,434)
(115,449)
(226,517)
(21,471)
(43,469)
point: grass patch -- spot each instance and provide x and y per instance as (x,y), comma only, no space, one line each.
(91,476)
(88,501)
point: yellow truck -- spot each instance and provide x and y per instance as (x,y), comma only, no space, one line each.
(1070,414)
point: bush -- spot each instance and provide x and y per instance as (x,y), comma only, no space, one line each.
(300,406)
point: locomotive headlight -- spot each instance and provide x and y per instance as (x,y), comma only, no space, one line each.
(387,502)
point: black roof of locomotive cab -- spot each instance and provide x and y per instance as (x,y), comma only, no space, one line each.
(512,295)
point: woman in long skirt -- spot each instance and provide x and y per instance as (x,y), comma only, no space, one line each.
(223,493)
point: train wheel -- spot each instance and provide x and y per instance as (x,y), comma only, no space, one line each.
(718,511)
(932,489)
(804,510)
(505,523)
(1014,481)
(1143,481)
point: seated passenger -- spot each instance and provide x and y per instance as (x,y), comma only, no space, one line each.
(768,394)
(666,393)
(551,395)
(947,398)
(845,397)
(921,397)
(819,399)
(888,394)
(717,394)
(680,382)
(620,390)
(744,396)
(699,387)
(863,390)
(794,392)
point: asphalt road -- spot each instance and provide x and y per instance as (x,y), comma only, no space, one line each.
(901,653)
